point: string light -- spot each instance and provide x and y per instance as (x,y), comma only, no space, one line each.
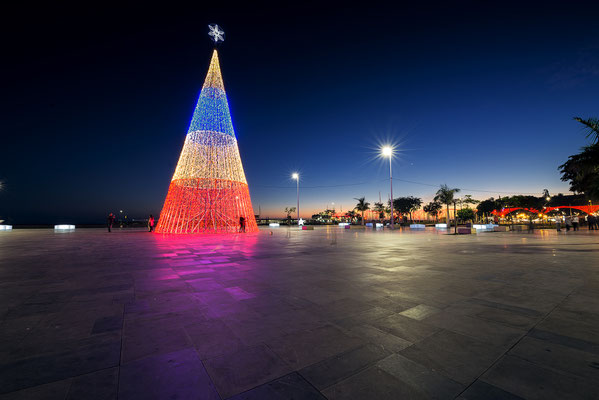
(208,192)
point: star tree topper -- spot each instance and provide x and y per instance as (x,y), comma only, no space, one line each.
(216,33)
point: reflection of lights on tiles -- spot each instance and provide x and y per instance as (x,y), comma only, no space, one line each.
(64,227)
(417,226)
(209,191)
(343,223)
(5,227)
(274,225)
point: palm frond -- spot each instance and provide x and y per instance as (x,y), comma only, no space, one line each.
(591,126)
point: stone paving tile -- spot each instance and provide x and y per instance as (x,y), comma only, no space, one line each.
(578,344)
(456,356)
(379,338)
(509,318)
(250,367)
(99,385)
(420,312)
(405,328)
(396,305)
(107,324)
(372,383)
(176,375)
(291,386)
(561,358)
(506,307)
(157,339)
(587,330)
(364,317)
(486,331)
(332,370)
(99,352)
(213,338)
(537,299)
(50,391)
(480,390)
(301,349)
(534,382)
(421,379)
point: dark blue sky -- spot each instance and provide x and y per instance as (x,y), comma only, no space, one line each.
(479,96)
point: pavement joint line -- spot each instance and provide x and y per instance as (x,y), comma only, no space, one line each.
(516,343)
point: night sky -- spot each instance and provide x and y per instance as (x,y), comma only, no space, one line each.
(96,103)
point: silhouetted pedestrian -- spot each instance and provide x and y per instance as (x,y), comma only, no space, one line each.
(558,223)
(241,224)
(109,221)
(575,222)
(568,223)
(592,221)
(151,223)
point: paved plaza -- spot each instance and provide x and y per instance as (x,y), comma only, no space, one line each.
(328,313)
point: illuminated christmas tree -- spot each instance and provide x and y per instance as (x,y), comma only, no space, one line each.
(208,192)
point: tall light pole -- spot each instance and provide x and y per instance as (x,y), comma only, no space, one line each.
(387,151)
(296,177)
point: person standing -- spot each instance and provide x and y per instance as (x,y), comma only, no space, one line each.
(151,223)
(241,224)
(575,222)
(109,221)
(592,220)
(558,222)
(568,223)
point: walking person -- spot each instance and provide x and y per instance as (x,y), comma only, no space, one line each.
(151,223)
(568,223)
(592,220)
(575,222)
(241,224)
(558,222)
(109,221)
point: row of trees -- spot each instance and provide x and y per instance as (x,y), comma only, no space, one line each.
(469,208)
(581,171)
(408,205)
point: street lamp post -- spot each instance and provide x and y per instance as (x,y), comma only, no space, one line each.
(296,177)
(387,151)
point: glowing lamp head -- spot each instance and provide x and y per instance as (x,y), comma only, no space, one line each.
(295,176)
(387,151)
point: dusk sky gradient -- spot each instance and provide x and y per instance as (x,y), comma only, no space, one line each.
(478,96)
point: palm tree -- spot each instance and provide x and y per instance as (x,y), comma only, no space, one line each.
(379,208)
(433,209)
(582,170)
(592,127)
(351,214)
(445,196)
(362,206)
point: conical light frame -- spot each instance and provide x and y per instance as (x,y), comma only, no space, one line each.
(209,192)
